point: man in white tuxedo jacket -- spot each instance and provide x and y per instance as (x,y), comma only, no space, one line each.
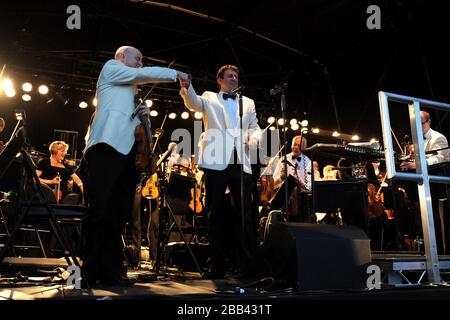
(222,153)
(110,156)
(433,140)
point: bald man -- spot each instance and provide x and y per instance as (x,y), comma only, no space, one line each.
(110,155)
(433,140)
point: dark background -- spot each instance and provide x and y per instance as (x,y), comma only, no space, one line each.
(333,64)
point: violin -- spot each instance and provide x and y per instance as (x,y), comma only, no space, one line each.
(145,159)
(267,190)
(150,190)
(376,202)
(196,199)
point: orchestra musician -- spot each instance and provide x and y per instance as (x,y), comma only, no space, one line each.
(299,167)
(433,140)
(56,172)
(437,153)
(221,161)
(110,156)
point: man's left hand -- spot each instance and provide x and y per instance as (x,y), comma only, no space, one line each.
(143,111)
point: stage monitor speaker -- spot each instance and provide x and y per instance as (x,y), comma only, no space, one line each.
(317,256)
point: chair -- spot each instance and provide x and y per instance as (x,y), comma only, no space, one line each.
(177,198)
(33,202)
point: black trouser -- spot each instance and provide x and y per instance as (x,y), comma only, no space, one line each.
(219,237)
(112,181)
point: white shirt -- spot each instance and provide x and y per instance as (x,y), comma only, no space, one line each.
(232,106)
(434,141)
(299,169)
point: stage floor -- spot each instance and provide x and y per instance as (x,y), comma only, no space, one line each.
(39,279)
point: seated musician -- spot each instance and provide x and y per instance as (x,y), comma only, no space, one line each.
(56,172)
(433,141)
(317,176)
(299,167)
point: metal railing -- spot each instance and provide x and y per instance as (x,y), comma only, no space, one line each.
(421,176)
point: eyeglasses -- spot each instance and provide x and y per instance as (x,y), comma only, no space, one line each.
(423,122)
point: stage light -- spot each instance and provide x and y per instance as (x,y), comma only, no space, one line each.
(83,105)
(10,92)
(355,137)
(26,97)
(281,121)
(305,123)
(271,120)
(293,122)
(94,102)
(295,127)
(198,115)
(7,84)
(154,113)
(315,130)
(149,103)
(336,134)
(373,140)
(304,130)
(272,128)
(43,89)
(185,115)
(27,87)
(172,115)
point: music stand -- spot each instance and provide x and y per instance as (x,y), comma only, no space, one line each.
(24,201)
(166,211)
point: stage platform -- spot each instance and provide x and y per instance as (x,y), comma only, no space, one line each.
(407,268)
(40,279)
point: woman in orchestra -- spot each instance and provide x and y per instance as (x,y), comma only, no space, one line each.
(56,172)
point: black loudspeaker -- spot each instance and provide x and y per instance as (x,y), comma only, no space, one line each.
(316,256)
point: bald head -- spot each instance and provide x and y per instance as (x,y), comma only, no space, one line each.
(298,144)
(426,121)
(129,56)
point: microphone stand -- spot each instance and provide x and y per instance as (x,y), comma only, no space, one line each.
(284,154)
(241,112)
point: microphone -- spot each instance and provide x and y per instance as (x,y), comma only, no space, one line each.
(277,89)
(237,90)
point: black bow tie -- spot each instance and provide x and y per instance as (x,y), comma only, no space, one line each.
(226,96)
(299,158)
